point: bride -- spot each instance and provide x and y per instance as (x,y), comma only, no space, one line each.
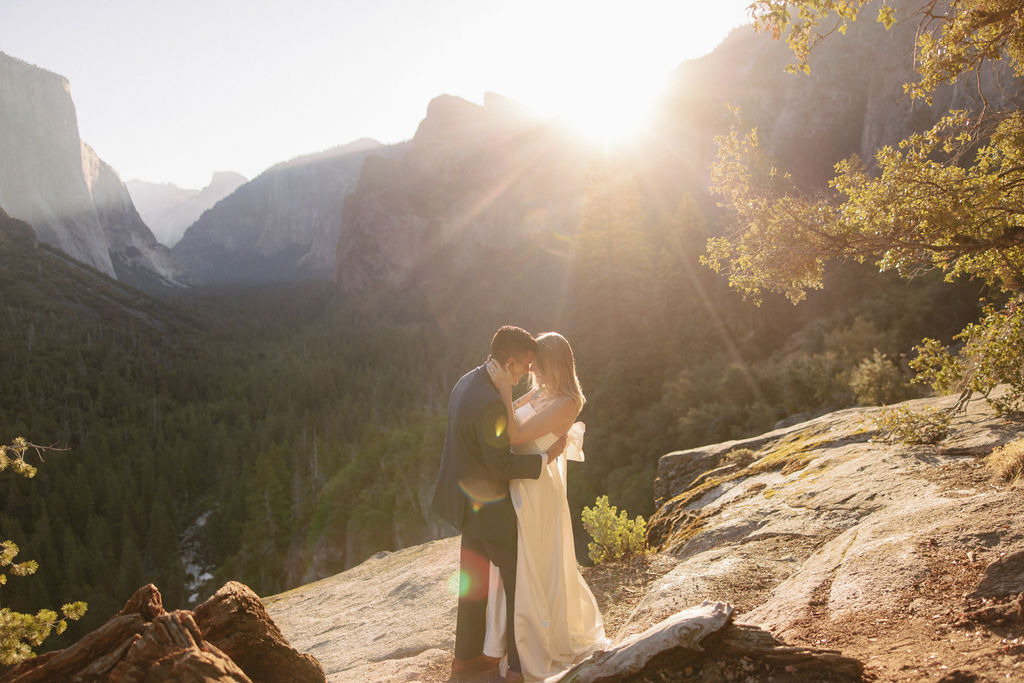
(556,617)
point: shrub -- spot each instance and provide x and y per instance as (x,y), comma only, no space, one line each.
(739,456)
(616,537)
(1008,461)
(879,381)
(903,424)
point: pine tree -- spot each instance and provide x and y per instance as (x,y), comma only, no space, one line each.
(20,632)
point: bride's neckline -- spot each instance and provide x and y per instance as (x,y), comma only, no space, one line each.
(540,399)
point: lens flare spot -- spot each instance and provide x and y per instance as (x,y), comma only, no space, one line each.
(481,494)
(458,583)
(472,580)
(500,424)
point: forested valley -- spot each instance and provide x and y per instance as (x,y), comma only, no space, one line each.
(277,434)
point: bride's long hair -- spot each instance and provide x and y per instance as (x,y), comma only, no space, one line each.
(556,364)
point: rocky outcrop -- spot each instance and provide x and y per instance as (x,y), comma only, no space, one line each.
(828,528)
(53,181)
(282,225)
(235,620)
(169,210)
(229,638)
(477,183)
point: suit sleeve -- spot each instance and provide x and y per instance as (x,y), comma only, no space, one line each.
(492,435)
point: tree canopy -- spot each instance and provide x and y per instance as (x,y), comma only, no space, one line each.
(950,198)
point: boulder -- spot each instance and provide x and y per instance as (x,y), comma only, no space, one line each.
(74,201)
(235,620)
(172,648)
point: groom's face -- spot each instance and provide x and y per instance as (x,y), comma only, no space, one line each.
(518,366)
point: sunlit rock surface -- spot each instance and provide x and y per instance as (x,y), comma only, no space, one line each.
(390,618)
(56,183)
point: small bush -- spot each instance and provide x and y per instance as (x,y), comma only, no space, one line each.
(903,424)
(879,381)
(1008,461)
(616,537)
(739,456)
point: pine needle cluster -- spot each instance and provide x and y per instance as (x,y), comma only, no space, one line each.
(20,632)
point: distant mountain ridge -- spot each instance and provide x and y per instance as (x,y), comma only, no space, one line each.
(473,174)
(169,210)
(56,183)
(852,102)
(282,225)
(476,181)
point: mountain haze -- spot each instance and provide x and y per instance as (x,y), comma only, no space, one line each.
(852,102)
(476,182)
(169,210)
(282,225)
(55,182)
(479,181)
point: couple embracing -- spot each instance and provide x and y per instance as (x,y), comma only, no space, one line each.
(522,601)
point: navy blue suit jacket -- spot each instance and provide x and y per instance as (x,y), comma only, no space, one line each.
(476,464)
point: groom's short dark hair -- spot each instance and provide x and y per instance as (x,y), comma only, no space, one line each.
(510,341)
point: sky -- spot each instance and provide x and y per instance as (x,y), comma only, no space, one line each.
(173,91)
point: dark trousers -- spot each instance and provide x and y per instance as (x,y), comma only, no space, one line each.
(474,579)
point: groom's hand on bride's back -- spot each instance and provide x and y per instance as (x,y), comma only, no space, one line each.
(555,450)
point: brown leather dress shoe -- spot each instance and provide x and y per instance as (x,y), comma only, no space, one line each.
(467,667)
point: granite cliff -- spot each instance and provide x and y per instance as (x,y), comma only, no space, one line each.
(169,210)
(852,102)
(475,184)
(56,183)
(282,225)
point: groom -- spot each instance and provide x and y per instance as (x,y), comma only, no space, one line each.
(472,493)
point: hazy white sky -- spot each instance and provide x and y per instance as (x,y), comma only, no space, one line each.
(172,91)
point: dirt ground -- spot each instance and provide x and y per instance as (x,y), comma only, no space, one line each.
(924,635)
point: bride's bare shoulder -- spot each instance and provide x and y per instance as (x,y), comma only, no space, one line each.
(548,403)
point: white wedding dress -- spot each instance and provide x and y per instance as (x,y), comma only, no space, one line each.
(557,619)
